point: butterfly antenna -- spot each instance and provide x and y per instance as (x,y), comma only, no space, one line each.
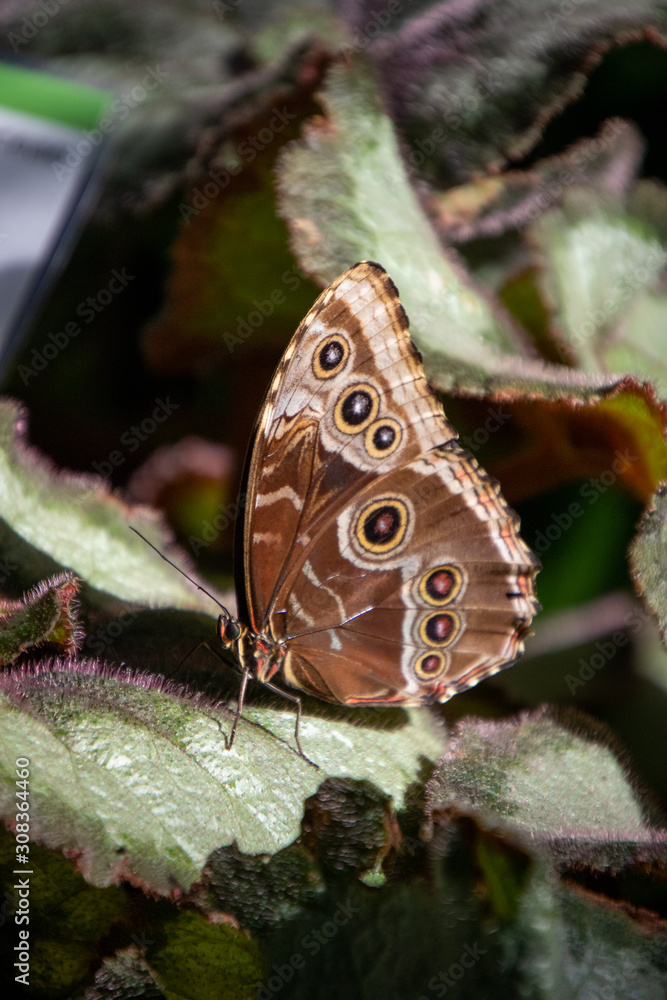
(181,571)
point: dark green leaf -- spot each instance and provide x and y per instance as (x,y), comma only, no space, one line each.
(45,615)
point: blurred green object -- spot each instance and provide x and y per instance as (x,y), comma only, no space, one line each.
(51,97)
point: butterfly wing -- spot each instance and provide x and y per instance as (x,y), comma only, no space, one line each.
(375,547)
(321,411)
(417,589)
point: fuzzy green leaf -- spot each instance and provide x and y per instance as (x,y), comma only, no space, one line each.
(414,940)
(76,523)
(346,196)
(473,85)
(648,557)
(603,262)
(193,959)
(553,784)
(124,976)
(45,615)
(137,781)
(607,952)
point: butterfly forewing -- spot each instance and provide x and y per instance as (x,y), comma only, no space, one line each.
(375,547)
(321,415)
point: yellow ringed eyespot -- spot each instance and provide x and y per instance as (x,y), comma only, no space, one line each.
(331,357)
(442,585)
(356,408)
(381,526)
(430,665)
(383,437)
(440,629)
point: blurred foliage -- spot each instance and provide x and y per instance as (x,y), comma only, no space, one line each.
(506,162)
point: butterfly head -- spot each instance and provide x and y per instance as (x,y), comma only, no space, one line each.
(230,630)
(259,653)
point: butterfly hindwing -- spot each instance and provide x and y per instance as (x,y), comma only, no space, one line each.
(440,598)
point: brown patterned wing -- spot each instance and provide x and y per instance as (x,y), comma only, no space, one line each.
(375,547)
(418,589)
(348,402)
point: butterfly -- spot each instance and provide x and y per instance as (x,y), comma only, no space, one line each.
(380,564)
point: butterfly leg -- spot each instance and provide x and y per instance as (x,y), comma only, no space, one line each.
(296,701)
(188,655)
(239,707)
